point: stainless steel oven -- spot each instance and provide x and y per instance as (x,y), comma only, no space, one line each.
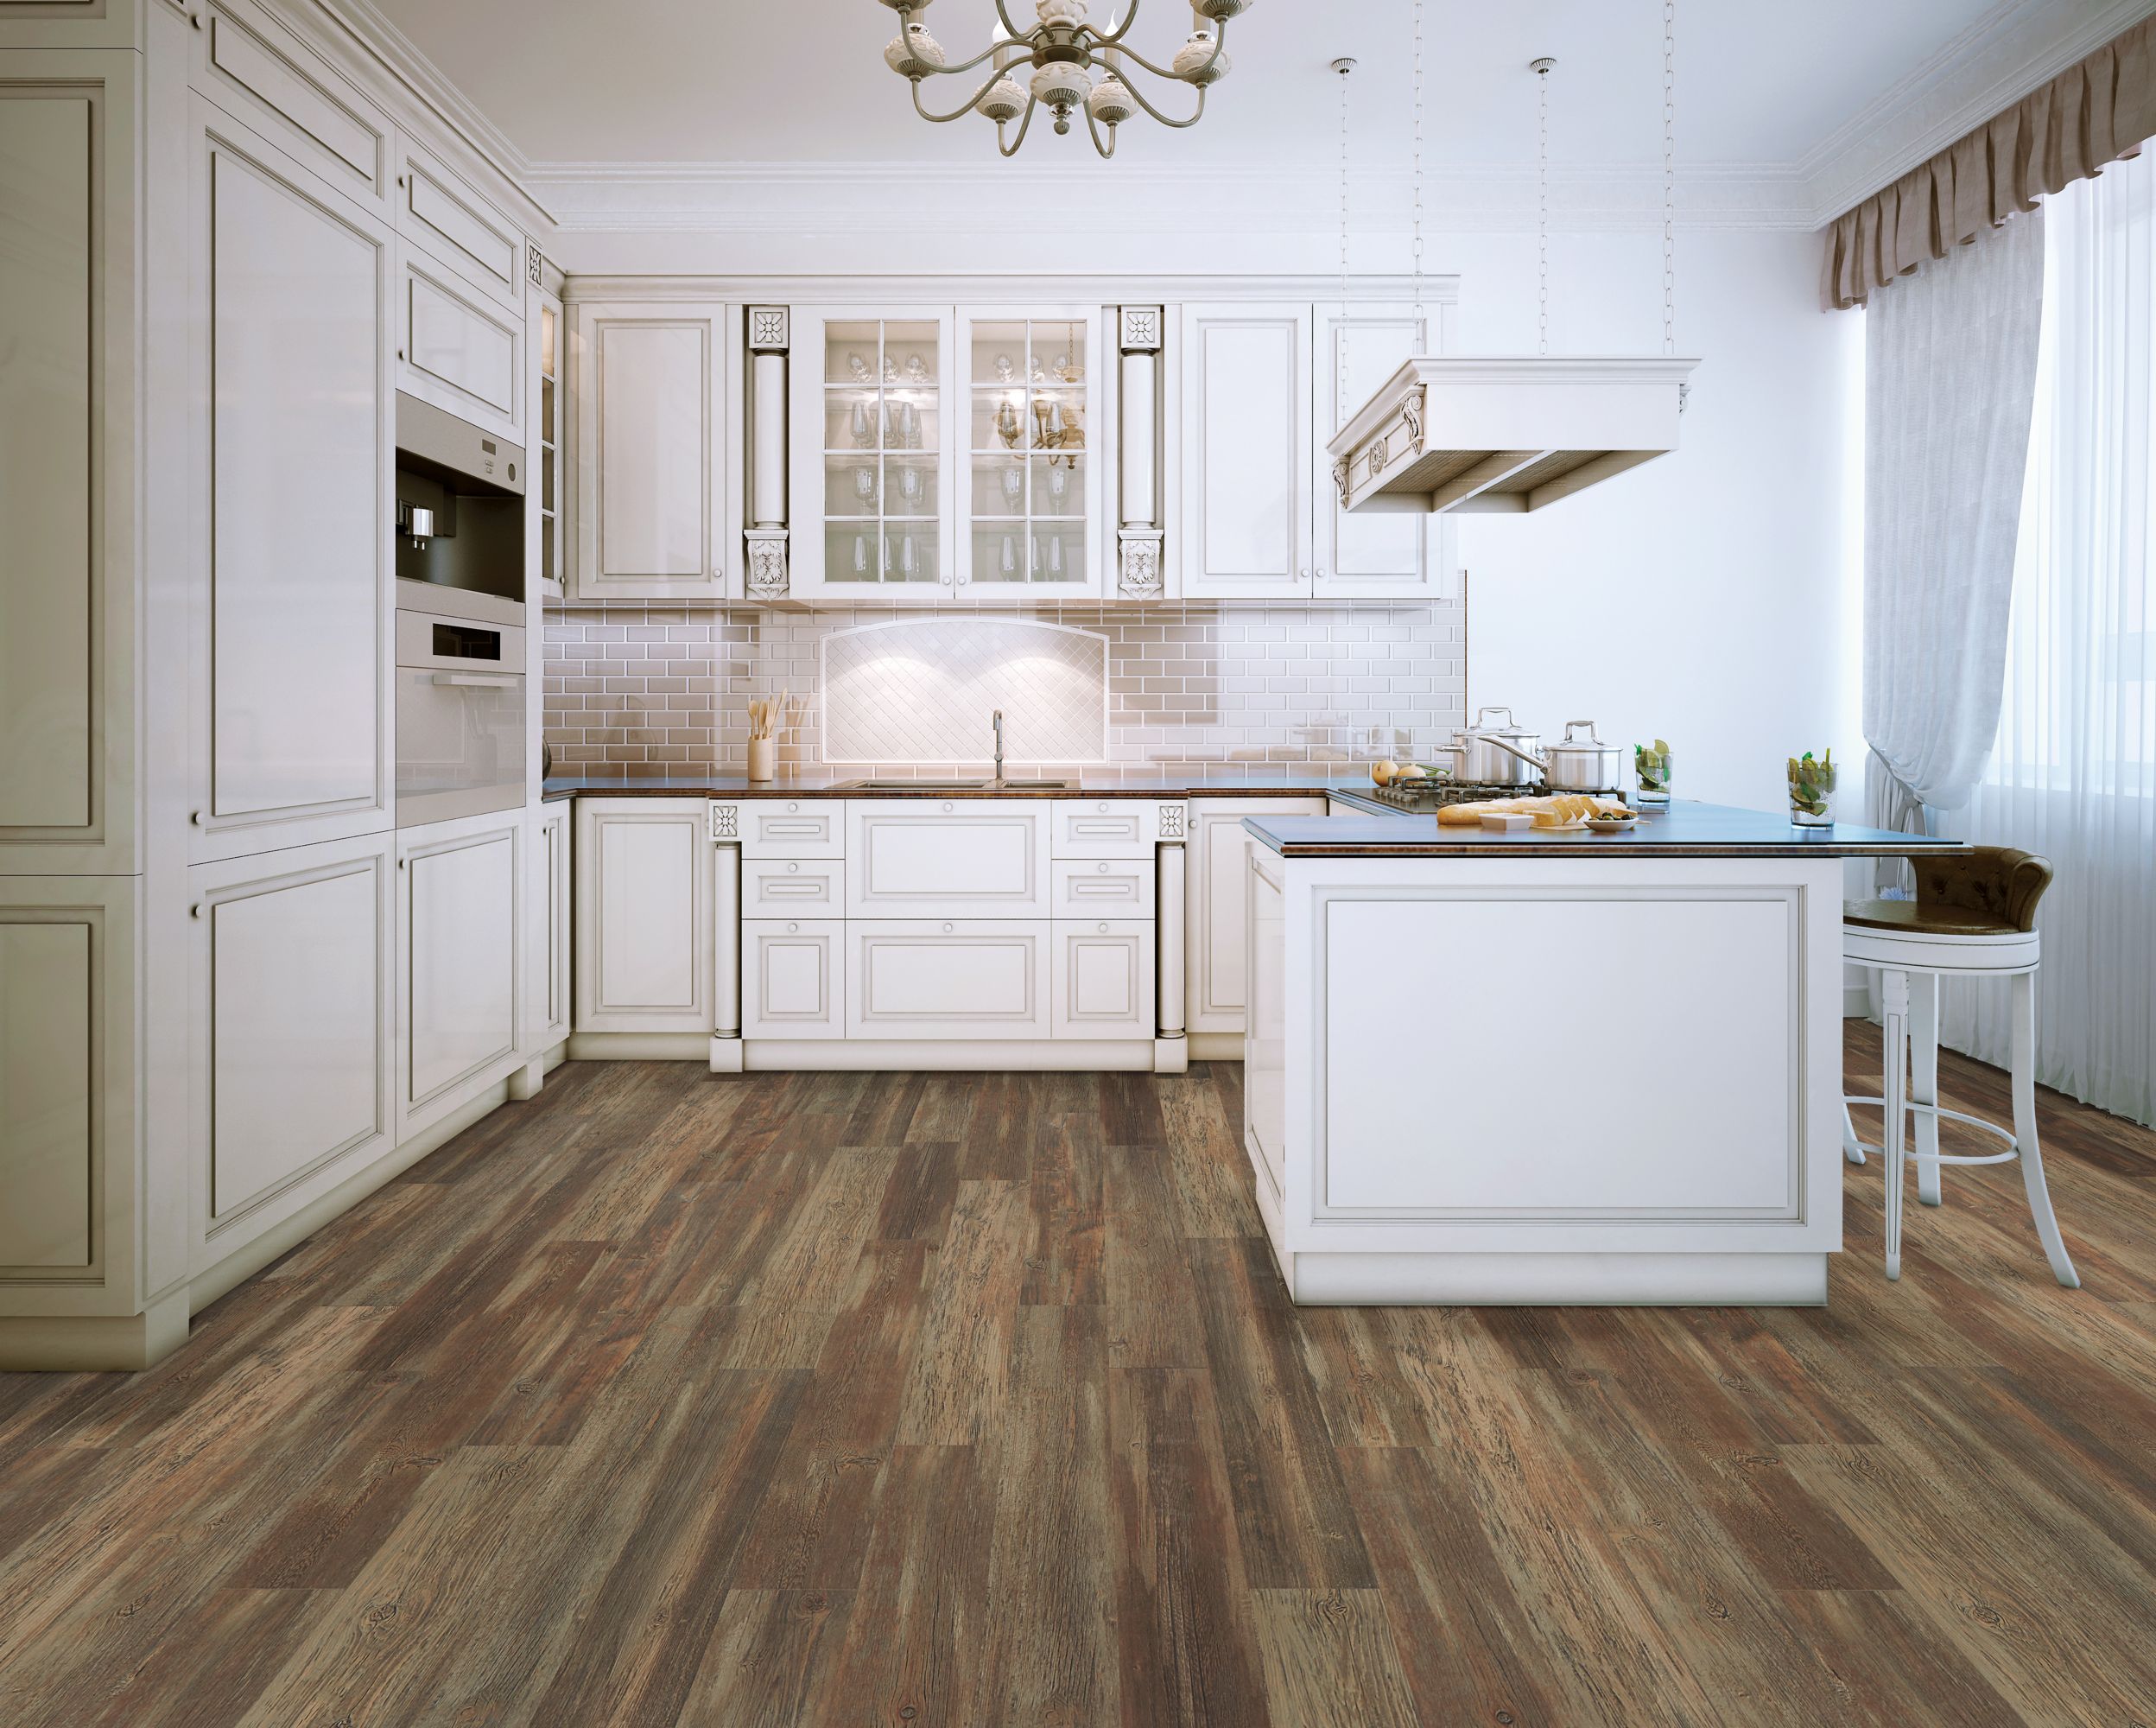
(461,735)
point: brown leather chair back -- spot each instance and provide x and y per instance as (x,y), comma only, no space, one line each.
(1994,881)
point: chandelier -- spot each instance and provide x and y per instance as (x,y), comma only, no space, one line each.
(1063,49)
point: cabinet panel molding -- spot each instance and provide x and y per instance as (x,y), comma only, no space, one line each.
(48,1077)
(250,60)
(459,354)
(1246,452)
(948,979)
(1218,868)
(793,978)
(644,907)
(437,211)
(460,902)
(1102,977)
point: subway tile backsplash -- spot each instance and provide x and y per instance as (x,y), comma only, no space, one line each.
(637,691)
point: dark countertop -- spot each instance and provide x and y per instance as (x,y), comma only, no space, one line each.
(833,783)
(1685,829)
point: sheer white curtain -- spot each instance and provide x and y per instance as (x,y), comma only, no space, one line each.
(2073,771)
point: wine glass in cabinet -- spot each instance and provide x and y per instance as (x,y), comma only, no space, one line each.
(1031,524)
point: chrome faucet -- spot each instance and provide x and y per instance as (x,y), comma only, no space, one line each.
(995,720)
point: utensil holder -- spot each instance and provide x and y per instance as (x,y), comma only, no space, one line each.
(763,758)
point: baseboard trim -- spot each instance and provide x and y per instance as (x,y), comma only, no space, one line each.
(1216,1046)
(951,1055)
(1602,1281)
(94,1344)
(640,1046)
(1856,1001)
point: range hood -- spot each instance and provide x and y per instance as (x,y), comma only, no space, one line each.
(1503,434)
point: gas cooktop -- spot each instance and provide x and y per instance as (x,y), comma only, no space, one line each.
(1423,796)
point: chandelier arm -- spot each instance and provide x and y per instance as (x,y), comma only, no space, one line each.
(1220,47)
(979,96)
(1107,152)
(1003,13)
(968,65)
(1139,97)
(1031,102)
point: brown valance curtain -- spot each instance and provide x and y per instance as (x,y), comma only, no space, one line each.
(2090,114)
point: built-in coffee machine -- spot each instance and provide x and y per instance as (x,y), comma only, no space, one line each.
(460,653)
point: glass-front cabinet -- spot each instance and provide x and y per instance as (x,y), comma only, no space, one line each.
(941,454)
(873,484)
(1032,518)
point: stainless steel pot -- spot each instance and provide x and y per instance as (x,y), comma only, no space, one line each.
(1503,755)
(1448,761)
(1582,764)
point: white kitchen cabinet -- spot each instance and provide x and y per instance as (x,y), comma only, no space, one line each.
(547,1010)
(438,211)
(1266,1038)
(251,61)
(950,858)
(1106,828)
(1101,979)
(644,953)
(459,347)
(874,449)
(1247,469)
(549,405)
(658,426)
(1031,512)
(948,978)
(69,689)
(1389,555)
(1219,863)
(793,978)
(294,606)
(788,828)
(291,979)
(1101,887)
(460,914)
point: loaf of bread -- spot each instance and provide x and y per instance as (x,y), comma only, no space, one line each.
(1558,809)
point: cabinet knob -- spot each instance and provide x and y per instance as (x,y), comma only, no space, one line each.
(947,929)
(793,930)
(791,808)
(1103,928)
(199,820)
(791,868)
(1102,807)
(1102,869)
(949,807)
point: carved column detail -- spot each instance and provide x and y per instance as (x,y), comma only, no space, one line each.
(770,336)
(1172,1050)
(1140,535)
(726,930)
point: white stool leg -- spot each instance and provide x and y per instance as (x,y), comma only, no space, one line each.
(1852,1149)
(1894,999)
(2025,1138)
(1924,1080)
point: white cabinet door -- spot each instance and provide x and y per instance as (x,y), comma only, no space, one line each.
(296,473)
(1247,464)
(436,209)
(1265,1041)
(793,887)
(1106,828)
(1102,887)
(460,904)
(644,935)
(1394,554)
(658,414)
(458,348)
(874,441)
(68,683)
(950,858)
(546,1012)
(1103,980)
(793,978)
(786,828)
(953,978)
(292,976)
(1219,867)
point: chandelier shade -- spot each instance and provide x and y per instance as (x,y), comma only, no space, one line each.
(1078,68)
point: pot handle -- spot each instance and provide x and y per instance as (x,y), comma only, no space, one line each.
(1512,749)
(1572,725)
(1488,712)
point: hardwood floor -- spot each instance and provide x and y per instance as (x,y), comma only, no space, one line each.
(931,1399)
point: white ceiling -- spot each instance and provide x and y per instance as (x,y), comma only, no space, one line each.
(803,81)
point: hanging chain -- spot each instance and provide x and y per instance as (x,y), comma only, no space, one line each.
(1418,163)
(1542,204)
(1669,177)
(1340,403)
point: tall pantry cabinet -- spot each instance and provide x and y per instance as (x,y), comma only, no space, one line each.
(227,239)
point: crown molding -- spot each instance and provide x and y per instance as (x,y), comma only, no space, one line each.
(886,198)
(1106,287)
(2011,50)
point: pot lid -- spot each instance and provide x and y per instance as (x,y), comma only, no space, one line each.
(1512,728)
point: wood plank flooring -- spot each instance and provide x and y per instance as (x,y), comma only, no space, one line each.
(929,1400)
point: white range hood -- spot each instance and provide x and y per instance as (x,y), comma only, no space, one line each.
(1498,433)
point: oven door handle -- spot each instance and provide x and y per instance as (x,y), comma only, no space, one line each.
(485,680)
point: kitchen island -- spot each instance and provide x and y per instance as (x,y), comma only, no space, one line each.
(1539,1067)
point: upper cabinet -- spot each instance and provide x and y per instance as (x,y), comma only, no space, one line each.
(658,472)
(69,690)
(1264,387)
(1247,478)
(549,343)
(873,450)
(1032,476)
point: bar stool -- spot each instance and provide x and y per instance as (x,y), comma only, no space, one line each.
(1973,916)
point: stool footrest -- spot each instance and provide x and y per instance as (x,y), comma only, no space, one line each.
(2013,1147)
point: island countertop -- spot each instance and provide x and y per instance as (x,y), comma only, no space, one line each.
(1227,781)
(1684,830)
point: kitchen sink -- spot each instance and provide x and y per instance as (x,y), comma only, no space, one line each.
(953,786)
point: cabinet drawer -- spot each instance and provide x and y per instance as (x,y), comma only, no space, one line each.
(1103,887)
(954,978)
(799,827)
(1108,828)
(793,887)
(1103,980)
(793,978)
(951,858)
